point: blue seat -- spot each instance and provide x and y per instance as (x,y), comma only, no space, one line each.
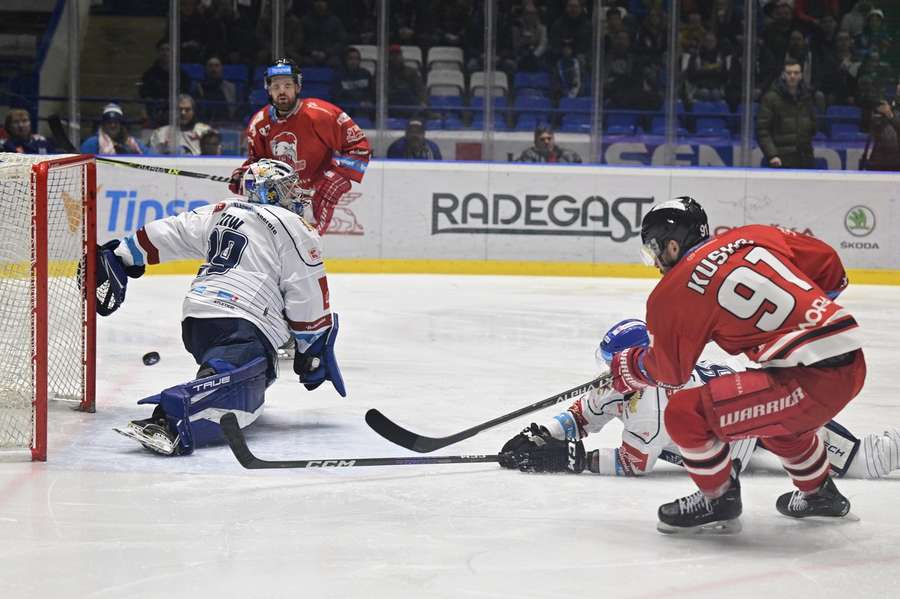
(719,107)
(234,72)
(259,97)
(317,75)
(364,122)
(537,80)
(712,127)
(658,127)
(847,132)
(527,122)
(194,70)
(446,104)
(844,113)
(533,106)
(453,122)
(316,90)
(259,74)
(580,104)
(478,102)
(434,124)
(574,126)
(393,123)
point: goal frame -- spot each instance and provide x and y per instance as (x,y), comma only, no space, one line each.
(40,273)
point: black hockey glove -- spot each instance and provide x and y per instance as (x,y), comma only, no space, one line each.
(535,450)
(111,278)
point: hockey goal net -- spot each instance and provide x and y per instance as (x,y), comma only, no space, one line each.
(47,343)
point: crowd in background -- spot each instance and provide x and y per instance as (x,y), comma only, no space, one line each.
(847,51)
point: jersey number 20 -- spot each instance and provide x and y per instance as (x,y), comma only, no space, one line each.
(744,291)
(225,250)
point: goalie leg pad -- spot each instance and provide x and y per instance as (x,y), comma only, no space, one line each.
(193,409)
(215,342)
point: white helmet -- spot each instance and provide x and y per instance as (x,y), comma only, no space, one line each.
(273,182)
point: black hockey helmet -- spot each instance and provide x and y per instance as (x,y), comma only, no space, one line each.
(284,66)
(682,220)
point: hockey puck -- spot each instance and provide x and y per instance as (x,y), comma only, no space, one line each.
(150,358)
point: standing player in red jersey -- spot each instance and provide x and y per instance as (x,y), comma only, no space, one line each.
(317,138)
(765,292)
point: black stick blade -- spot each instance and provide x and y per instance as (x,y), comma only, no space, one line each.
(236,441)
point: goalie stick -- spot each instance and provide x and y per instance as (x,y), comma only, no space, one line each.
(238,445)
(59,134)
(400,436)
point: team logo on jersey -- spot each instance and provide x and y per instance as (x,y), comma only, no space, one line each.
(355,134)
(284,147)
(264,131)
(343,118)
(344,220)
(633,402)
(859,221)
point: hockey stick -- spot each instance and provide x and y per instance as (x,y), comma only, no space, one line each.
(238,444)
(59,133)
(422,444)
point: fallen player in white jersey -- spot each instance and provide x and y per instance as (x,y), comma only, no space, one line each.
(262,283)
(557,445)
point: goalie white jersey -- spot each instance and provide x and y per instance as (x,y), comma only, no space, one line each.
(262,263)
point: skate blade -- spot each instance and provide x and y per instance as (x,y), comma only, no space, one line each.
(848,517)
(155,445)
(721,527)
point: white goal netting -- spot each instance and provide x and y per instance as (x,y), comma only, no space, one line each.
(28,299)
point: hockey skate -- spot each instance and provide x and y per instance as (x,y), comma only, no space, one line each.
(827,501)
(696,513)
(153,433)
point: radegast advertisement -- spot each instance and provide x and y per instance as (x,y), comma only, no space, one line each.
(552,213)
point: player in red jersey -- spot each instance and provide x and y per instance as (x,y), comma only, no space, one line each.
(317,138)
(768,293)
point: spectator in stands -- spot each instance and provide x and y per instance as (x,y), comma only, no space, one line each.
(855,21)
(217,97)
(451,18)
(529,39)
(874,76)
(362,23)
(567,74)
(824,37)
(405,88)
(112,137)
(573,24)
(413,145)
(628,84)
(809,13)
(20,137)
(613,24)
(187,138)
(546,150)
(293,39)
(211,143)
(353,88)
(691,34)
(201,32)
(775,38)
(707,72)
(840,71)
(725,22)
(811,64)
(155,85)
(786,122)
(652,38)
(874,37)
(325,36)
(884,138)
(411,22)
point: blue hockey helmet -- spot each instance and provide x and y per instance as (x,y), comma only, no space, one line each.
(630,332)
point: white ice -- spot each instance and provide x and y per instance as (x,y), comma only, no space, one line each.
(103,518)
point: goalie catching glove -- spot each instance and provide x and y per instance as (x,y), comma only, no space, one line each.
(112,278)
(318,363)
(535,450)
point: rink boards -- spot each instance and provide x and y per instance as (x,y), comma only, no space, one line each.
(504,218)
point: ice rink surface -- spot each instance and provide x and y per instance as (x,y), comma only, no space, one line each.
(105,519)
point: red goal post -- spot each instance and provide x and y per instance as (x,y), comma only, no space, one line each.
(47,321)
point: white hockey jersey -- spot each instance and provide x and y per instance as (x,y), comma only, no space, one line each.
(262,263)
(644,436)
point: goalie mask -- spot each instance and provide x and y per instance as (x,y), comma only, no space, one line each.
(274,182)
(630,332)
